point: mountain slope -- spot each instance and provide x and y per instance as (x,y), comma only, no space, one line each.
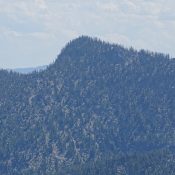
(97,100)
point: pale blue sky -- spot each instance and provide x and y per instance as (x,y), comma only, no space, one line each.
(32,32)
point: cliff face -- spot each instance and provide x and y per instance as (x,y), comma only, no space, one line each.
(97,100)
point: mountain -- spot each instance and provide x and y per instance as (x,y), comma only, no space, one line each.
(29,70)
(98,109)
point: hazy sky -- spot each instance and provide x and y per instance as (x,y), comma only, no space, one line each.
(32,32)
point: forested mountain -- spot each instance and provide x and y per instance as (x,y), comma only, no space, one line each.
(98,109)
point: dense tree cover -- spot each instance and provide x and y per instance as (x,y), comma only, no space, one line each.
(157,162)
(98,109)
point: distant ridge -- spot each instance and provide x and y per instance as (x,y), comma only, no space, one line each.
(29,70)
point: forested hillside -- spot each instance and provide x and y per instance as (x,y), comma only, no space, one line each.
(99,109)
